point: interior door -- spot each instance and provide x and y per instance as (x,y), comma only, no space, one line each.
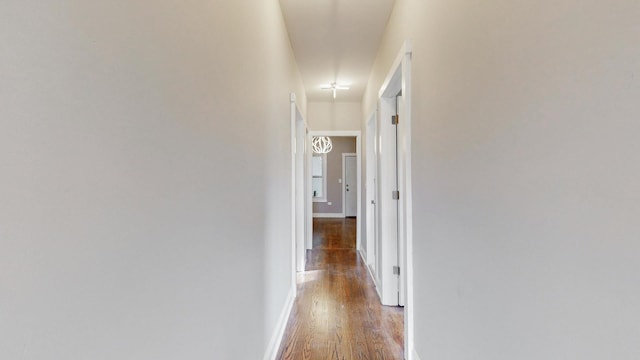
(387,203)
(371,211)
(350,186)
(402,225)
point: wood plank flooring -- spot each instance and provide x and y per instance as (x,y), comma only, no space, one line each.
(334,234)
(337,314)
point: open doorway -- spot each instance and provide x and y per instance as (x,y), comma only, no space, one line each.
(334,192)
(334,183)
(329,182)
(299,194)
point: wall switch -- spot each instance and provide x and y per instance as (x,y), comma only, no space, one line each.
(339,181)
(329,203)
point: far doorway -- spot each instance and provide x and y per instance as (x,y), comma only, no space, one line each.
(334,181)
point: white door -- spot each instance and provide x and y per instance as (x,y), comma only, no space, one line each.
(350,185)
(371,212)
(402,224)
(387,203)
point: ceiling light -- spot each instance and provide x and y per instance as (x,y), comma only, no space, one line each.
(334,87)
(321,144)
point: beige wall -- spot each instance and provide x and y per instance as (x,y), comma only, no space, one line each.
(341,145)
(322,116)
(525,176)
(144,156)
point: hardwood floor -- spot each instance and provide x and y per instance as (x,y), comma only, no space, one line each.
(337,314)
(334,234)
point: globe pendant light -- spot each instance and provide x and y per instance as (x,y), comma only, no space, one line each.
(321,144)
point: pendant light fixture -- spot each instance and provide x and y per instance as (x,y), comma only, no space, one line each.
(321,144)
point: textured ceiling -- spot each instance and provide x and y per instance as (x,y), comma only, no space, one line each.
(335,41)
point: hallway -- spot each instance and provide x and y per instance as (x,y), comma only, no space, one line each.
(337,314)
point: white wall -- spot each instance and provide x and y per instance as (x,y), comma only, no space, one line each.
(525,176)
(144,156)
(334,116)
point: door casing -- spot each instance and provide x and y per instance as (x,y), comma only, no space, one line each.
(397,82)
(309,212)
(299,189)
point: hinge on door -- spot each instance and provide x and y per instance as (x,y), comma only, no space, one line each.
(395,119)
(395,195)
(396,270)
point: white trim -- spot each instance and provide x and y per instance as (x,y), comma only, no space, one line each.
(405,50)
(363,256)
(309,194)
(299,186)
(346,133)
(408,196)
(370,191)
(360,188)
(328,215)
(375,282)
(414,355)
(276,339)
(294,116)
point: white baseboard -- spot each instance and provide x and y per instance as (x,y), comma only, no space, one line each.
(363,256)
(328,215)
(276,339)
(414,355)
(373,278)
(375,283)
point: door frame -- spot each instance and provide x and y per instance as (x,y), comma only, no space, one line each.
(344,182)
(309,213)
(299,129)
(398,80)
(400,77)
(371,210)
(387,205)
